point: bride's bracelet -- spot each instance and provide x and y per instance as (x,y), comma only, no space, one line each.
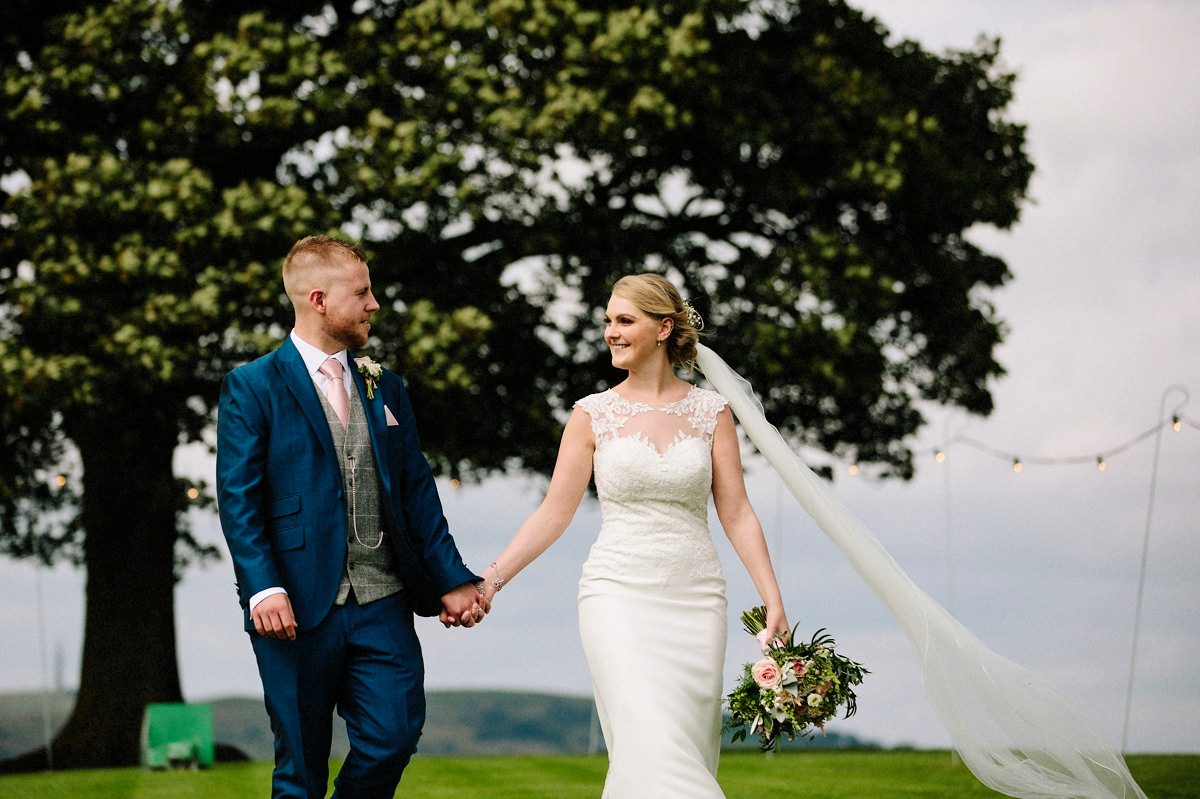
(499,582)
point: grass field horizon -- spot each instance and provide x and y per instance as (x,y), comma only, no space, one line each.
(831,774)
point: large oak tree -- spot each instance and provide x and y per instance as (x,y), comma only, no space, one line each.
(807,180)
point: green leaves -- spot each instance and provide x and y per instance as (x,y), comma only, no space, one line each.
(439,344)
(807,183)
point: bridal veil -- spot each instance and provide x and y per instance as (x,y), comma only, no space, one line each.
(1015,733)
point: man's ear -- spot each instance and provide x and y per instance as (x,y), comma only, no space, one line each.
(316,300)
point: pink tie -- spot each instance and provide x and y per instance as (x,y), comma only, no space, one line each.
(335,388)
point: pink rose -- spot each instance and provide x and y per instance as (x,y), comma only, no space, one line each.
(766,673)
(800,667)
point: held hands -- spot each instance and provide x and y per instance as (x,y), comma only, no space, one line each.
(468,604)
(465,606)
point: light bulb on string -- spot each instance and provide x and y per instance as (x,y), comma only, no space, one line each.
(853,469)
(193,493)
(1177,421)
(60,480)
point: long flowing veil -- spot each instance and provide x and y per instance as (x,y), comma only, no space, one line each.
(1015,733)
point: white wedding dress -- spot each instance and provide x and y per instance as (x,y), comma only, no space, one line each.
(652,610)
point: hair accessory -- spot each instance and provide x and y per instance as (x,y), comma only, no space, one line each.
(692,315)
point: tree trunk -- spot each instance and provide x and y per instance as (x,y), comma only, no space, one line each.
(129,518)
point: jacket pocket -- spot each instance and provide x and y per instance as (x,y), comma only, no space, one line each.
(284,506)
(284,527)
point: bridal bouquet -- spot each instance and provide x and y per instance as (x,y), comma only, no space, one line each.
(793,689)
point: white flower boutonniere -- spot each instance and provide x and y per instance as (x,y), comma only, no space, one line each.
(371,372)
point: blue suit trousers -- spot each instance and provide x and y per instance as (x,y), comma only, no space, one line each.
(364,661)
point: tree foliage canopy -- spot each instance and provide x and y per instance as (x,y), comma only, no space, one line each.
(806,180)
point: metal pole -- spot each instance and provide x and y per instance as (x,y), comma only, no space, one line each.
(47,729)
(949,522)
(1137,612)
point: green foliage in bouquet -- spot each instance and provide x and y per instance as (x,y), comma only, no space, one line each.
(794,689)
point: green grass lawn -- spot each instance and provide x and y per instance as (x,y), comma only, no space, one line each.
(744,775)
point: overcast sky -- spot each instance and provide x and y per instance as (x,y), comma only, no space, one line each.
(1104,316)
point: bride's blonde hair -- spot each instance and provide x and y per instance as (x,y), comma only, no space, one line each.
(655,296)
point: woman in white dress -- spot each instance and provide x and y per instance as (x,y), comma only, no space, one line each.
(652,611)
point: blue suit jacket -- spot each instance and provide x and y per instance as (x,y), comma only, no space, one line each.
(281,497)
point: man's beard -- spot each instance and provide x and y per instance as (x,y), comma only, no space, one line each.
(348,334)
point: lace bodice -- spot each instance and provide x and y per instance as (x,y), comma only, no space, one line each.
(653,473)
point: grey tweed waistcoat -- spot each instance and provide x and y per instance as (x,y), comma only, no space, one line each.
(370,560)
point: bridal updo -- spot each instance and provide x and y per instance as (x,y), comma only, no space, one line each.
(654,295)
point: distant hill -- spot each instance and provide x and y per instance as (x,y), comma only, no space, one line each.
(458,722)
(22,720)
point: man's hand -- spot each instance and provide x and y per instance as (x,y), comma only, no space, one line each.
(273,617)
(464,606)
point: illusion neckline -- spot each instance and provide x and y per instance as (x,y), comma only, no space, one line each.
(617,394)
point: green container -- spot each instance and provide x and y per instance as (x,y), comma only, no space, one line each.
(176,735)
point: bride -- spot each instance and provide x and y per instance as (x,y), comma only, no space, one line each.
(652,611)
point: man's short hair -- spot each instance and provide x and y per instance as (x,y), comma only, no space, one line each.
(311,253)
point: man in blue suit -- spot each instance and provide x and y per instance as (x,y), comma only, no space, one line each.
(336,533)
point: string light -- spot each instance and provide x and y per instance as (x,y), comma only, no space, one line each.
(193,493)
(60,480)
(1177,421)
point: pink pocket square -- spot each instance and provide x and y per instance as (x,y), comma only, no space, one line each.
(391,420)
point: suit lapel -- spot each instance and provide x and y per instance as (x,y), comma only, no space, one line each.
(376,424)
(295,376)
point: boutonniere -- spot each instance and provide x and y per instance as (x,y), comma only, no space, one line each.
(371,372)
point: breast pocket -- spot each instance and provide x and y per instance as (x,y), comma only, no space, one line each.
(284,527)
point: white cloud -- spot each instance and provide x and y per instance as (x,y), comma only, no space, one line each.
(1113,73)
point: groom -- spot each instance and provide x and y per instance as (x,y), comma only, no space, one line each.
(336,534)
